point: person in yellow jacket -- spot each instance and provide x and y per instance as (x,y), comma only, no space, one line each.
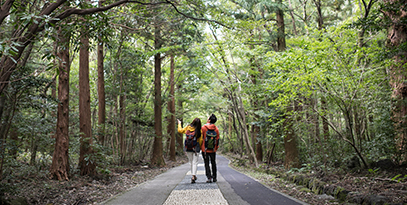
(193,142)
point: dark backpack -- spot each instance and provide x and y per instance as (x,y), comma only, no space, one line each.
(190,141)
(210,141)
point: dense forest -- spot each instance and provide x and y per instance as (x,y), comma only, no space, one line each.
(311,85)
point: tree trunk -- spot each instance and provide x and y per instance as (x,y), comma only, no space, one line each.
(305,16)
(122,114)
(3,97)
(270,155)
(238,134)
(255,128)
(259,145)
(240,111)
(290,143)
(157,158)
(280,29)
(320,18)
(325,127)
(4,102)
(290,7)
(171,108)
(290,139)
(101,92)
(115,135)
(87,162)
(316,119)
(397,36)
(364,15)
(3,128)
(256,139)
(122,124)
(60,159)
(34,148)
(14,142)
(232,149)
(180,116)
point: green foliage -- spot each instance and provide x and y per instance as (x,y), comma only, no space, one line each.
(399,178)
(373,171)
(213,63)
(304,169)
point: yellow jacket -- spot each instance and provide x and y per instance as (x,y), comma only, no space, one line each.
(190,128)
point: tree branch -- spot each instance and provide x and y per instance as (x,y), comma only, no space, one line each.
(5,10)
(194,18)
(72,11)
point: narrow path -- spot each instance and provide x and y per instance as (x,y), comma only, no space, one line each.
(174,187)
(250,190)
(198,193)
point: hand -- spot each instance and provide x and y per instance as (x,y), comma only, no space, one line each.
(179,121)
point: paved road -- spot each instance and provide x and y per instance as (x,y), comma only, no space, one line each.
(174,187)
(250,190)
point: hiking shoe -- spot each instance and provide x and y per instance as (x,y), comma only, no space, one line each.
(215,180)
(193,179)
(209,180)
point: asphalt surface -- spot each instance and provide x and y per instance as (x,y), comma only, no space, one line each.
(251,190)
(174,187)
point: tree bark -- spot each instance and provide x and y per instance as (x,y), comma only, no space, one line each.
(320,19)
(101,91)
(241,119)
(34,148)
(60,159)
(87,162)
(171,108)
(325,125)
(292,17)
(280,29)
(366,8)
(157,158)
(290,143)
(232,149)
(180,116)
(122,114)
(397,36)
(3,128)
(315,116)
(255,128)
(259,145)
(238,134)
(14,142)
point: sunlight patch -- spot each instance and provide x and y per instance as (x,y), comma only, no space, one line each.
(195,196)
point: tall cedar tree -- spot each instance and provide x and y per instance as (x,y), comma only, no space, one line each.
(290,139)
(101,90)
(60,159)
(87,164)
(394,11)
(171,108)
(157,155)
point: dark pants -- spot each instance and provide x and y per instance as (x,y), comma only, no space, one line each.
(212,158)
